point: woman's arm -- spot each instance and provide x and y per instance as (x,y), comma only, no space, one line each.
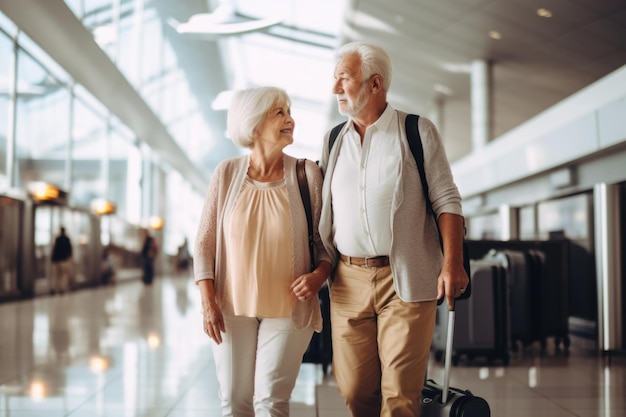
(212,317)
(205,246)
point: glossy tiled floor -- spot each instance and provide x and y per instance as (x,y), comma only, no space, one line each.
(130,350)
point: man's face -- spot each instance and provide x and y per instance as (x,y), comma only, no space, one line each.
(351,90)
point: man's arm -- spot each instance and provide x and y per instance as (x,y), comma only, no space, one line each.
(453,277)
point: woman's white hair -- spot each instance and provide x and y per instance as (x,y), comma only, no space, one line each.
(374,60)
(247,110)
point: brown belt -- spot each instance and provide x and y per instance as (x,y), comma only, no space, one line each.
(373,262)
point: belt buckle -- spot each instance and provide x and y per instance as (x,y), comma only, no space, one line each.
(367,262)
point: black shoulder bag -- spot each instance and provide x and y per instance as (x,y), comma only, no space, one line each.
(306,201)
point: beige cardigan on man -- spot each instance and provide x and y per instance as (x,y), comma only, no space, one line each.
(415,253)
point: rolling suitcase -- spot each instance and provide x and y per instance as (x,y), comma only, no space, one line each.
(444,401)
(483,329)
(551,300)
(522,307)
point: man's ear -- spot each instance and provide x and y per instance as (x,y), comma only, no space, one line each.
(377,83)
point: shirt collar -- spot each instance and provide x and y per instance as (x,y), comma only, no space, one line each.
(384,122)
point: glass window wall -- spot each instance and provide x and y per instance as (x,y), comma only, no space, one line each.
(42,128)
(120,173)
(64,135)
(185,213)
(6,53)
(151,57)
(90,146)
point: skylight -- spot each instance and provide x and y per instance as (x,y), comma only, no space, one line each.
(296,55)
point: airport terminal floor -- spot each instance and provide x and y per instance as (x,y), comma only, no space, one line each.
(129,350)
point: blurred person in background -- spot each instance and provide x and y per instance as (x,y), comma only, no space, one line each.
(61,263)
(148,254)
(183,258)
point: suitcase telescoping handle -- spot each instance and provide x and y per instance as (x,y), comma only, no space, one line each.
(448,359)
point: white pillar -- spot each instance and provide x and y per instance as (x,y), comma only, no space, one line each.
(436,115)
(606,209)
(481,103)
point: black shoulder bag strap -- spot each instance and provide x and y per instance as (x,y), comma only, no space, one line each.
(334,133)
(306,201)
(415,143)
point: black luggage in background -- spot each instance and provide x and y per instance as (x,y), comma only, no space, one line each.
(320,350)
(536,266)
(551,298)
(483,319)
(522,276)
(549,283)
(444,401)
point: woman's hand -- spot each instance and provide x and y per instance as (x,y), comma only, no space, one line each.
(212,317)
(308,285)
(213,321)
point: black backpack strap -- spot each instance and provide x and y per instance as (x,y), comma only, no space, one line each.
(334,133)
(415,143)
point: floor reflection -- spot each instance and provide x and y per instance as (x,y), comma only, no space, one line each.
(132,350)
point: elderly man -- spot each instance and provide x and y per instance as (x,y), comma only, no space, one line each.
(390,267)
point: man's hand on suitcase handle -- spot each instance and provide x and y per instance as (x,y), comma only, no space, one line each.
(451,284)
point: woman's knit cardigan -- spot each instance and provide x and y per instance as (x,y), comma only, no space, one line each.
(209,251)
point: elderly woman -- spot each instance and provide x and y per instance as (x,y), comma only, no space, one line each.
(252,263)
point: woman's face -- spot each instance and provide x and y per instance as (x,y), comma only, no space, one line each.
(277,126)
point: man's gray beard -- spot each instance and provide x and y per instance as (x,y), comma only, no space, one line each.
(359,104)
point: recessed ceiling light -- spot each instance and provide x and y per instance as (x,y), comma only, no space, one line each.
(457,68)
(442,89)
(221,22)
(494,34)
(544,12)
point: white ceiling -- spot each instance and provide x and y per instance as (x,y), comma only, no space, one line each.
(537,62)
